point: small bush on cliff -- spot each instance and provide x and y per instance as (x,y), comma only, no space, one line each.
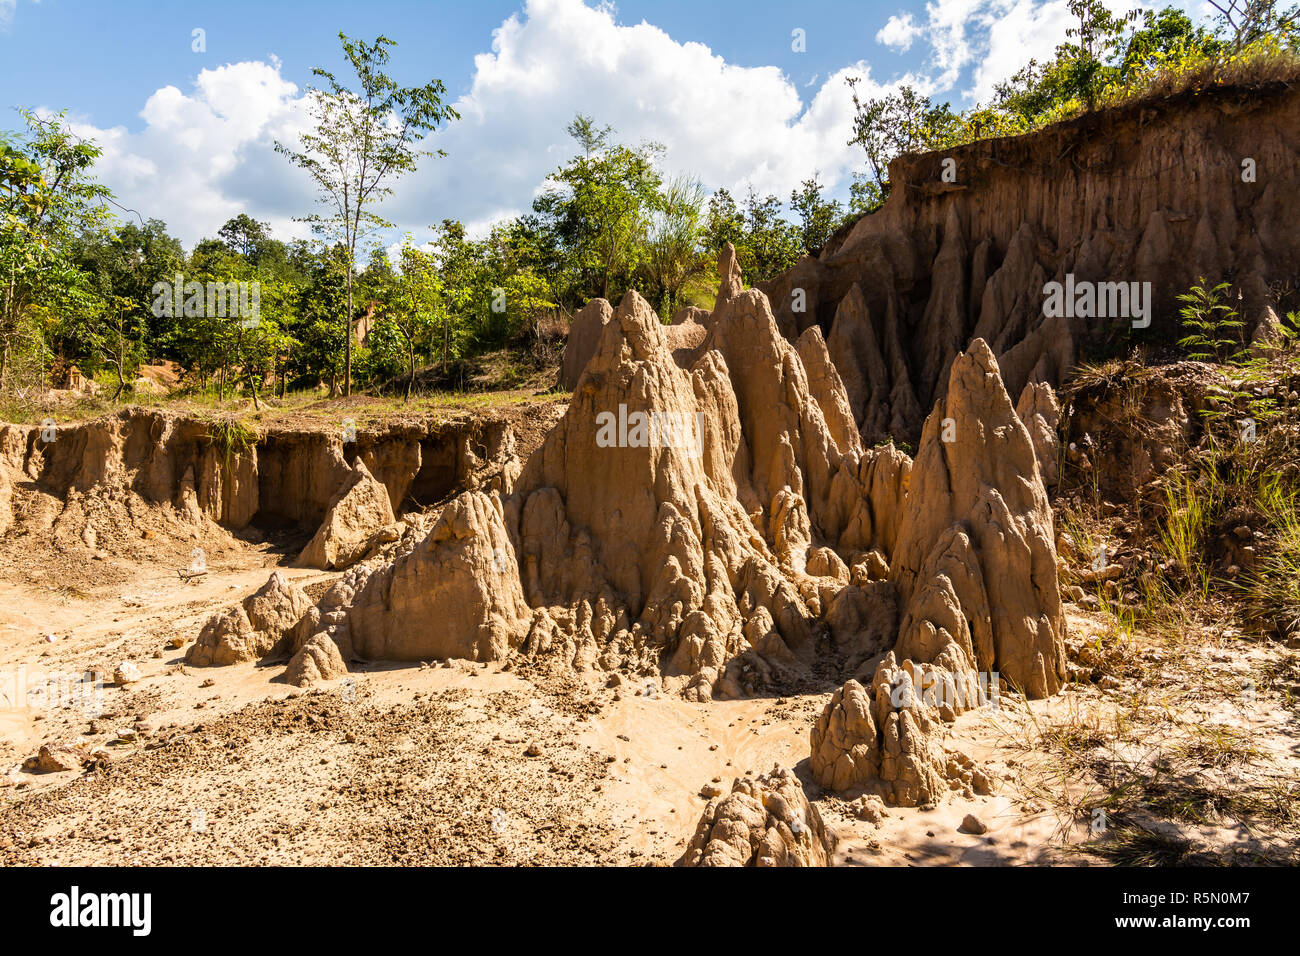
(1212,326)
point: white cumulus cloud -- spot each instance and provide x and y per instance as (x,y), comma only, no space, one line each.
(207,155)
(1026,30)
(898,33)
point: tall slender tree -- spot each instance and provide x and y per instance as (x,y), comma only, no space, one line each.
(363,140)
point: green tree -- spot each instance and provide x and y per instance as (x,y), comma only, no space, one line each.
(890,126)
(1099,39)
(1164,35)
(599,205)
(416,307)
(464,283)
(725,223)
(47,198)
(766,243)
(547,256)
(673,256)
(260,347)
(361,142)
(129,261)
(515,293)
(771,243)
(268,345)
(818,218)
(244,235)
(112,337)
(321,298)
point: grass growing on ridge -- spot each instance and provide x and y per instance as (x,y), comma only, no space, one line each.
(1263,63)
(231,437)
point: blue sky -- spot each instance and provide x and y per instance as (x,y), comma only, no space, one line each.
(188,135)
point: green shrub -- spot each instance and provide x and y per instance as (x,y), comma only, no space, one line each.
(1213,327)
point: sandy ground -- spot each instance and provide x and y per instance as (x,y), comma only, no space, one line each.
(452,763)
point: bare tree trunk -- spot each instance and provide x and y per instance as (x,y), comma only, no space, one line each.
(410,382)
(347,367)
(121,381)
(10,322)
(119,363)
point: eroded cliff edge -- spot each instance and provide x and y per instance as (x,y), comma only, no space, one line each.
(1155,192)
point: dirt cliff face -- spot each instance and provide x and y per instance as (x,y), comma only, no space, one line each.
(142,474)
(104,483)
(1158,193)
